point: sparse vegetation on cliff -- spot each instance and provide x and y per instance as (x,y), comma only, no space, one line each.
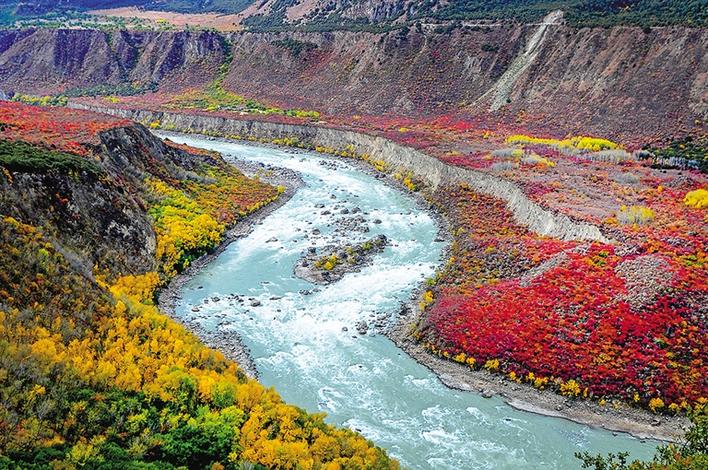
(214,97)
(294,46)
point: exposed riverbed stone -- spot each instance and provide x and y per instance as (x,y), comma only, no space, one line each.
(362,327)
(331,263)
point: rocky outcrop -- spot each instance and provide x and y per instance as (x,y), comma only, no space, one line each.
(331,263)
(100,218)
(425,167)
(90,220)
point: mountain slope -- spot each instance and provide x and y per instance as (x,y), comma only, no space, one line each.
(613,82)
(329,14)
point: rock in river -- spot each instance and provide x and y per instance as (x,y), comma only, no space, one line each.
(331,263)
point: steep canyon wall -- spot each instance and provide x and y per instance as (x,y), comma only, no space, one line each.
(427,168)
(616,82)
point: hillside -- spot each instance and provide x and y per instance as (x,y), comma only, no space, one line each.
(382,14)
(570,81)
(498,100)
(95,215)
(562,144)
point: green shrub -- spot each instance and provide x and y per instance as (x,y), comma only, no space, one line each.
(294,46)
(692,454)
(21,156)
(687,152)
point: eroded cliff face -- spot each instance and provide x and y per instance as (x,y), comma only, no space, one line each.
(619,78)
(366,73)
(619,82)
(54,61)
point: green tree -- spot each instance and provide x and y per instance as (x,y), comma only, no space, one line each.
(692,454)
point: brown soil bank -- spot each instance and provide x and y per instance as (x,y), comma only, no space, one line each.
(429,169)
(435,173)
(617,82)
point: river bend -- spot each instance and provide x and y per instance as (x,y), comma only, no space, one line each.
(304,341)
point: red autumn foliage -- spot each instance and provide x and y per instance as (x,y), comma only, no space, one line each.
(570,311)
(68,130)
(572,324)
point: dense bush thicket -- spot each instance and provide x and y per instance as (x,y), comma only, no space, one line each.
(96,377)
(20,156)
(688,152)
(184,6)
(579,12)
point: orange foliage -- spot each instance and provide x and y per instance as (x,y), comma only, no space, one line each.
(73,131)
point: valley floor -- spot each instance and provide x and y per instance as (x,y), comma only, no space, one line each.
(611,305)
(616,416)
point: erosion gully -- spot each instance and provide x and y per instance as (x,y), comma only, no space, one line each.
(304,341)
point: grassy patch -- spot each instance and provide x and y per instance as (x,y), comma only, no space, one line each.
(294,46)
(214,97)
(20,156)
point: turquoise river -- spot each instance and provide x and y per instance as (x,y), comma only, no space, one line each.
(304,341)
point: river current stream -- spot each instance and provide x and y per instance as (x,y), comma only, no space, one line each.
(304,340)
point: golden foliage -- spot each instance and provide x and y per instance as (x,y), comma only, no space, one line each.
(124,343)
(191,221)
(592,144)
(697,199)
(639,215)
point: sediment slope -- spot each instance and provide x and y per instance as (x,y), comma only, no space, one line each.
(429,169)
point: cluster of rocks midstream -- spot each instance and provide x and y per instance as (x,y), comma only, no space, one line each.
(330,263)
